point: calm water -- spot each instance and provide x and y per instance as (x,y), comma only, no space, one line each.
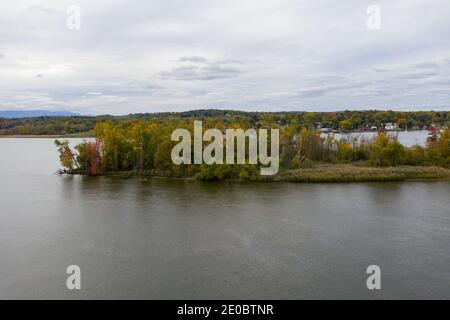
(407,138)
(178,239)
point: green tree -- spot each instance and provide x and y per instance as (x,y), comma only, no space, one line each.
(345,125)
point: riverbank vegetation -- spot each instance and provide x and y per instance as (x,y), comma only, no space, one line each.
(356,173)
(143,147)
(343,120)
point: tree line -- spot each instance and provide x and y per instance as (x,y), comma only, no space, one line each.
(144,147)
(343,120)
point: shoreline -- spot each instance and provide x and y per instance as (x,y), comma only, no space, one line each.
(90,135)
(323,173)
(37,136)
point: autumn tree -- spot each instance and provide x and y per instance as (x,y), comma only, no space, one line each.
(66,156)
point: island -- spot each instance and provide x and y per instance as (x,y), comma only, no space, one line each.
(142,145)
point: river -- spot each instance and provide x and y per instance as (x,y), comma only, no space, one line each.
(407,138)
(163,239)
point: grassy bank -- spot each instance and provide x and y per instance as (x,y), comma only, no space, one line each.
(351,173)
(324,173)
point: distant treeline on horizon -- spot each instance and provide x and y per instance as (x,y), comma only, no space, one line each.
(341,120)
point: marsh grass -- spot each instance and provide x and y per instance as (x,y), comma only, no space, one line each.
(350,173)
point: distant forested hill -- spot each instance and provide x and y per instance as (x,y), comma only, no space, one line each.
(344,120)
(34,113)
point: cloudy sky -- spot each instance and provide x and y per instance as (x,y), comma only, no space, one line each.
(171,55)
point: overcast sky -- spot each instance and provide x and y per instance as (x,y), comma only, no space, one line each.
(170,55)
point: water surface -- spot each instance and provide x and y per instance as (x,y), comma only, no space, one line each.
(407,138)
(180,239)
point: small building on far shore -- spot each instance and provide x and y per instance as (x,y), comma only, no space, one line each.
(390,126)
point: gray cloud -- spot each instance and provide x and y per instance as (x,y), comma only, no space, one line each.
(416,75)
(178,55)
(426,65)
(332,87)
(200,69)
(193,59)
(42,9)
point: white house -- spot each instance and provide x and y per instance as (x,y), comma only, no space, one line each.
(391,126)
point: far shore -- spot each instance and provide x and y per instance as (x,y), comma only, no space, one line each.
(91,135)
(87,135)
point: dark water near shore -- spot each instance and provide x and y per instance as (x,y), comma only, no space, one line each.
(186,240)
